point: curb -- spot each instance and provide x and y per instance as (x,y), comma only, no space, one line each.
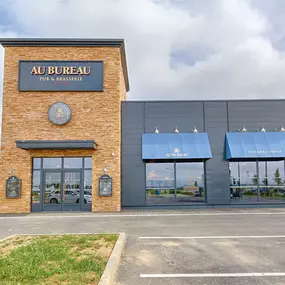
(110,272)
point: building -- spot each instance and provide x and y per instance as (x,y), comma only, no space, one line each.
(71,141)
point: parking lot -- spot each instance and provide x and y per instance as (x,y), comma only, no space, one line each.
(199,247)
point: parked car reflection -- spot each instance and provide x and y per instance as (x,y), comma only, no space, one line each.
(69,197)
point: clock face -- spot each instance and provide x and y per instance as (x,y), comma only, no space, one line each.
(59,113)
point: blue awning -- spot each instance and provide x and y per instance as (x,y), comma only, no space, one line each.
(255,145)
(176,146)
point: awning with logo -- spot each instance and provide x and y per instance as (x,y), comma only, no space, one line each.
(255,145)
(176,146)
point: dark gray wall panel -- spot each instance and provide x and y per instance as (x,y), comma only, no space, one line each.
(253,114)
(133,181)
(217,170)
(167,115)
(133,168)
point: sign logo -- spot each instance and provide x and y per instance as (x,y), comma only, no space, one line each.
(176,152)
(61,75)
(59,113)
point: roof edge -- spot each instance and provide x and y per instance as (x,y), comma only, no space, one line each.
(70,42)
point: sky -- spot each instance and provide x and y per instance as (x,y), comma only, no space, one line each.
(176,49)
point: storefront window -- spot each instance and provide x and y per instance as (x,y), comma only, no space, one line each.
(168,183)
(72,162)
(257,181)
(52,163)
(244,182)
(62,184)
(190,182)
(36,163)
(87,162)
(88,184)
(160,183)
(36,187)
(271,181)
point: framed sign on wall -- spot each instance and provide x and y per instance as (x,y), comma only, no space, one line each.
(105,185)
(13,187)
(61,75)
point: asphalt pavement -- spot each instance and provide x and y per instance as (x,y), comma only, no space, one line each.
(197,247)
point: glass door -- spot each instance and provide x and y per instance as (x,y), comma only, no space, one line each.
(62,191)
(72,194)
(52,190)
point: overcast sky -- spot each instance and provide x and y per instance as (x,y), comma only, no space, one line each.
(176,49)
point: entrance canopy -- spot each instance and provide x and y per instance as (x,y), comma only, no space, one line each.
(66,144)
(176,146)
(255,145)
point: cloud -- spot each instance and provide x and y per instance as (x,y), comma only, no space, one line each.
(175,49)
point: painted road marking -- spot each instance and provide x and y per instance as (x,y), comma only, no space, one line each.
(215,237)
(216,275)
(74,216)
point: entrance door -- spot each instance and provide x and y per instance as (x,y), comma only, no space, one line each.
(62,191)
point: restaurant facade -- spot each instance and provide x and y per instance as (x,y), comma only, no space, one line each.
(72,142)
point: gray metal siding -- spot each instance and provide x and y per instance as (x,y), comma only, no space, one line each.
(165,116)
(217,169)
(253,114)
(213,117)
(133,168)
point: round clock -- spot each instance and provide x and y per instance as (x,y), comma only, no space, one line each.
(59,113)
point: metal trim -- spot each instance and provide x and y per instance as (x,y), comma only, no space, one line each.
(64,144)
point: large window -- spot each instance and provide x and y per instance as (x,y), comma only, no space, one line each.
(257,181)
(190,182)
(177,182)
(59,181)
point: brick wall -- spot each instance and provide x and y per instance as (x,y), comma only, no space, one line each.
(95,115)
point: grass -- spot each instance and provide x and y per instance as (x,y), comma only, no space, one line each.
(54,260)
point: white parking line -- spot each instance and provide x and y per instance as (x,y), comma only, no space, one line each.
(215,275)
(215,237)
(74,216)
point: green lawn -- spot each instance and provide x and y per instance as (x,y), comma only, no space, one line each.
(54,260)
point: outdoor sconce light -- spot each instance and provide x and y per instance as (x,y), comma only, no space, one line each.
(262,129)
(243,129)
(195,130)
(176,130)
(156,130)
(105,169)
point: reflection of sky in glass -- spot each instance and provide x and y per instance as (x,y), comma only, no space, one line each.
(188,173)
(248,170)
(87,179)
(36,180)
(162,174)
(271,169)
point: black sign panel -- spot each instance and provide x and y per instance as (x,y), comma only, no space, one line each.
(13,187)
(61,76)
(105,185)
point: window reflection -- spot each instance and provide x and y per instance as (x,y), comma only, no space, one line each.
(160,183)
(88,162)
(72,162)
(271,174)
(164,186)
(244,181)
(53,162)
(247,186)
(36,163)
(88,186)
(190,182)
(36,187)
